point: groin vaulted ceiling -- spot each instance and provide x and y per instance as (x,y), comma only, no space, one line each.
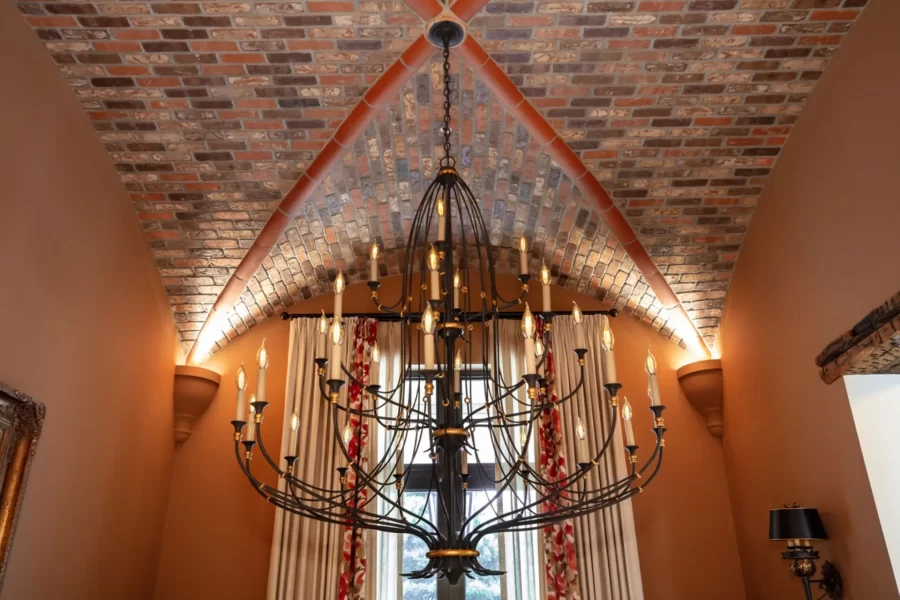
(211,111)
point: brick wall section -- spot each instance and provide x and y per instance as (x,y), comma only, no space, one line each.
(211,110)
(872,346)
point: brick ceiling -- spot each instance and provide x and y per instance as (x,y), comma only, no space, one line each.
(211,111)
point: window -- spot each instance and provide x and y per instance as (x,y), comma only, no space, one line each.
(517,554)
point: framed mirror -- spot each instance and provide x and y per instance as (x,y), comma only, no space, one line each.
(21,419)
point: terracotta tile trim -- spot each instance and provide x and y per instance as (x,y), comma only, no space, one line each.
(503,87)
(871,346)
(384,88)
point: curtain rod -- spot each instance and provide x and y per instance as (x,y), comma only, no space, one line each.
(390,318)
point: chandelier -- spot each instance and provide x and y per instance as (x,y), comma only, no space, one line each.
(446,330)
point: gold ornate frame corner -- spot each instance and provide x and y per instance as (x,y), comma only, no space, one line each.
(21,420)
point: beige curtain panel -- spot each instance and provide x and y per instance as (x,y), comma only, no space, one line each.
(606,543)
(305,561)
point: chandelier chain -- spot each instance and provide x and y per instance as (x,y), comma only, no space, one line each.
(446,128)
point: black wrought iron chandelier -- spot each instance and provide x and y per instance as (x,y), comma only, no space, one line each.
(447,329)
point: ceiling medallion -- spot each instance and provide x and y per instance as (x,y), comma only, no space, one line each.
(449,300)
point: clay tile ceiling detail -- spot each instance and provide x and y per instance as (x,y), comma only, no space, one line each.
(211,111)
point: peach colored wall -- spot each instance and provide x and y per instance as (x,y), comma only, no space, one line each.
(218,524)
(821,252)
(85,329)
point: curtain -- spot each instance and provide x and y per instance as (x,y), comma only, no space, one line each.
(306,556)
(605,541)
(560,559)
(519,550)
(354,563)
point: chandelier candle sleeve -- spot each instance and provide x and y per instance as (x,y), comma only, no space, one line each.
(538,354)
(373,263)
(262,362)
(528,326)
(464,457)
(457,283)
(545,289)
(650,367)
(626,419)
(608,341)
(339,295)
(428,327)
(241,382)
(457,368)
(434,265)
(398,467)
(440,209)
(251,425)
(321,348)
(337,338)
(523,256)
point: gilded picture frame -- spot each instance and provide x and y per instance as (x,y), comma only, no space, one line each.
(21,419)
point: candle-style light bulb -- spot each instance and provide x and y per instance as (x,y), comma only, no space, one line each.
(626,419)
(578,318)
(581,434)
(376,353)
(457,284)
(295,422)
(458,361)
(527,322)
(538,348)
(241,380)
(262,357)
(373,264)
(528,327)
(321,337)
(653,381)
(523,256)
(339,285)
(348,434)
(545,289)
(607,339)
(650,363)
(262,361)
(434,264)
(337,339)
(440,208)
(241,383)
(428,320)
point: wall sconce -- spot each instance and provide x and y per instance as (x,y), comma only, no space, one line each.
(702,385)
(195,388)
(798,527)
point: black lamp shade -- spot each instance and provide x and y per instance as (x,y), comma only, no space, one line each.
(796,524)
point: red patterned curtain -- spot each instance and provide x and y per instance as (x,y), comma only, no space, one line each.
(561,564)
(353,564)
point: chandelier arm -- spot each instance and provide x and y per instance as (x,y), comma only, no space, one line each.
(562,490)
(585,508)
(363,475)
(344,519)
